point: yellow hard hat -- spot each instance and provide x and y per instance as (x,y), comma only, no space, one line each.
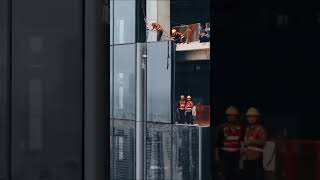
(189,97)
(253,112)
(232,111)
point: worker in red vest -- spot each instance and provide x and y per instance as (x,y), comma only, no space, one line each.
(254,141)
(228,144)
(181,108)
(177,36)
(157,27)
(189,107)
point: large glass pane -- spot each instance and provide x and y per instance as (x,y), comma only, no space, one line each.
(158,148)
(159,86)
(124,81)
(124,21)
(123,143)
(185,152)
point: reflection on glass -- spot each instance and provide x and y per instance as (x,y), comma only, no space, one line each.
(123,150)
(185,153)
(158,148)
(123,22)
(159,104)
(124,82)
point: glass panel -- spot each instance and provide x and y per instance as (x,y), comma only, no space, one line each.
(159,77)
(111,21)
(185,152)
(111,110)
(123,156)
(158,148)
(111,81)
(124,81)
(124,21)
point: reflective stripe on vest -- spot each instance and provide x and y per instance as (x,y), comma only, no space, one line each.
(182,105)
(254,148)
(233,138)
(231,144)
(189,105)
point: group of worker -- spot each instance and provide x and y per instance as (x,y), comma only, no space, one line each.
(184,110)
(235,141)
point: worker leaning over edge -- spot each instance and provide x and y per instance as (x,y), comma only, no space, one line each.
(189,107)
(181,107)
(228,144)
(254,141)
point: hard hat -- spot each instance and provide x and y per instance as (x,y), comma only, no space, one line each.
(189,97)
(173,31)
(232,111)
(253,112)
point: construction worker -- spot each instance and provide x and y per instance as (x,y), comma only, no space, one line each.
(189,107)
(177,37)
(254,140)
(156,27)
(228,144)
(181,107)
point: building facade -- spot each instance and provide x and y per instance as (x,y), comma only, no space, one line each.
(145,142)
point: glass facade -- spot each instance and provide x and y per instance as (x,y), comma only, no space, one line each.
(170,152)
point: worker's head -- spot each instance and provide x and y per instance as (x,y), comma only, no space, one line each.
(182,97)
(173,31)
(253,116)
(189,98)
(232,114)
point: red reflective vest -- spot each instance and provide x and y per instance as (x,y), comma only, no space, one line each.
(182,105)
(189,106)
(255,133)
(232,138)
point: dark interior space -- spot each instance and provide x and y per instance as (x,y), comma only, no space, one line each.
(189,12)
(261,60)
(192,78)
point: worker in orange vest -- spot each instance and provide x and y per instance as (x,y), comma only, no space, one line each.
(189,107)
(181,108)
(254,141)
(228,144)
(177,36)
(157,27)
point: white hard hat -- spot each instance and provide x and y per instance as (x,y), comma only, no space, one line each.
(189,97)
(232,111)
(253,112)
